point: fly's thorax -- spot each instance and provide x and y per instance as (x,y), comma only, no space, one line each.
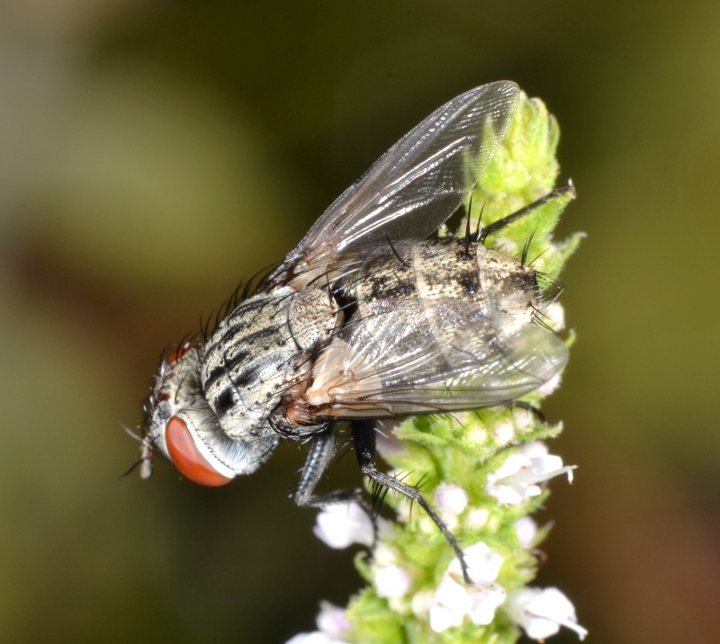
(313,315)
(260,353)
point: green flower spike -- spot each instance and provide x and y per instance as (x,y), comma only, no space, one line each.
(484,471)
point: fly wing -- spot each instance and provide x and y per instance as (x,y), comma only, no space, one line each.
(408,358)
(420,181)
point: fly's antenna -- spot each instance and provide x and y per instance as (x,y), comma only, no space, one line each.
(131,433)
(146,453)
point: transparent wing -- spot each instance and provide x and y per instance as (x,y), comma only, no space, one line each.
(409,358)
(420,181)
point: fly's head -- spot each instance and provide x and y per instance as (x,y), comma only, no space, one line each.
(181,425)
(179,422)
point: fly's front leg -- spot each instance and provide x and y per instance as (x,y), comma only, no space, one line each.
(363,434)
(521,404)
(524,212)
(322,450)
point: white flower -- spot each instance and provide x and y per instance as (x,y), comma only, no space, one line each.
(526,530)
(332,621)
(541,612)
(392,582)
(477,518)
(483,564)
(550,386)
(533,449)
(477,435)
(517,478)
(342,524)
(422,602)
(522,419)
(450,499)
(332,624)
(503,432)
(316,637)
(484,603)
(450,606)
(454,601)
(554,315)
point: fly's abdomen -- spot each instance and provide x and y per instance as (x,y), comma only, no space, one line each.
(439,326)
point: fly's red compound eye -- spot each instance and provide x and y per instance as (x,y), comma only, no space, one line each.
(187,458)
(178,354)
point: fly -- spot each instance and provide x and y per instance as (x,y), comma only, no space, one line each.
(368,318)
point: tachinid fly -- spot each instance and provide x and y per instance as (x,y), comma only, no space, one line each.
(368,318)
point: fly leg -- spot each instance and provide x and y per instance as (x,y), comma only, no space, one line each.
(520,404)
(363,435)
(523,212)
(322,450)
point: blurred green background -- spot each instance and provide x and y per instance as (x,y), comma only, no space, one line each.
(153,153)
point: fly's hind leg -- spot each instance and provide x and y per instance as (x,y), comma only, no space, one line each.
(363,435)
(322,451)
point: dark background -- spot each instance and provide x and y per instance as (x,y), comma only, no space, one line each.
(154,153)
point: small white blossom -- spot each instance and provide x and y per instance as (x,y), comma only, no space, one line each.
(484,602)
(450,606)
(316,637)
(477,518)
(477,435)
(384,554)
(522,419)
(482,563)
(541,612)
(555,316)
(503,432)
(342,524)
(332,624)
(533,449)
(332,621)
(392,582)
(526,530)
(454,601)
(450,499)
(422,602)
(550,386)
(518,477)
